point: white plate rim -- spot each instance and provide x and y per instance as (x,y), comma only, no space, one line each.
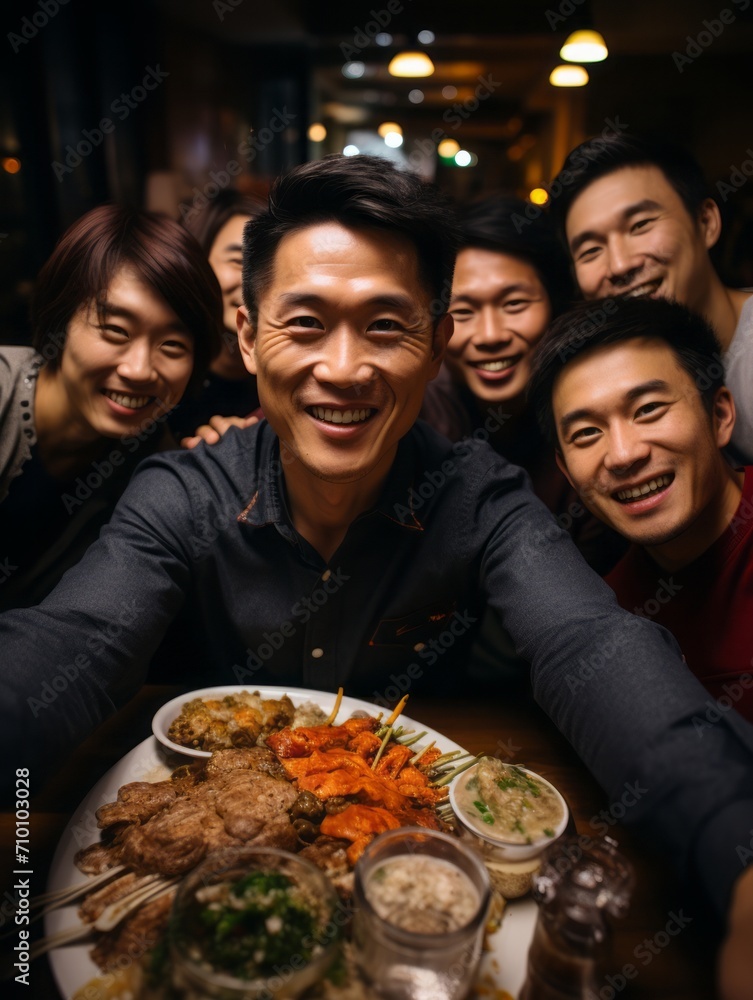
(504,964)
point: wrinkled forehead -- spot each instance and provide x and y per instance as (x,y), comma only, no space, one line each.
(332,257)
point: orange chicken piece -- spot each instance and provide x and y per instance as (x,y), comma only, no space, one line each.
(359,824)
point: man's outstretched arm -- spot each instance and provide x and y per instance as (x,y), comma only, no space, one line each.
(616,686)
(68,663)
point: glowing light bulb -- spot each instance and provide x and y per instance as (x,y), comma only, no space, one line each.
(568,76)
(539,196)
(584,46)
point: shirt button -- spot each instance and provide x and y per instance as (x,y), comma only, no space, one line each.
(326,574)
(316,653)
(418,647)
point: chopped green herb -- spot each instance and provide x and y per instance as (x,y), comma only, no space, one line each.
(255,924)
(548,831)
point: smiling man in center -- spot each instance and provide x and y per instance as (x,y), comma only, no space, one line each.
(343,344)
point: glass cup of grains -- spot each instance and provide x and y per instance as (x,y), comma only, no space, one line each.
(421,903)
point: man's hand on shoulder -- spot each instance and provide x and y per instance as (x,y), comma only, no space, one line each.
(214,430)
(736,957)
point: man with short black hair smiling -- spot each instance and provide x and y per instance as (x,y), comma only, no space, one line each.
(639,414)
(342,324)
(638,219)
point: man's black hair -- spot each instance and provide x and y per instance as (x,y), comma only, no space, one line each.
(500,224)
(612,321)
(359,192)
(598,157)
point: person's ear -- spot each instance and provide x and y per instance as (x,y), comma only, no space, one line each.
(440,340)
(246,339)
(710,222)
(723,416)
(563,468)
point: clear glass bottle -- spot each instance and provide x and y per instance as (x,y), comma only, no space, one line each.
(581,883)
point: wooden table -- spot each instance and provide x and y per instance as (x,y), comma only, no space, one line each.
(668,967)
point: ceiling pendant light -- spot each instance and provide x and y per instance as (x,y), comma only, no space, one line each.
(410,64)
(568,76)
(584,46)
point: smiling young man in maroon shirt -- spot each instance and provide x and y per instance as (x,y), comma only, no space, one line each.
(639,414)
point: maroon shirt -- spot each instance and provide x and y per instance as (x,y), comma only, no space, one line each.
(708,605)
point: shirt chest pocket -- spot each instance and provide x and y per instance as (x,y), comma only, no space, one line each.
(415,629)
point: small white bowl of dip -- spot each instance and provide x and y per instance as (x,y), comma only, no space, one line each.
(526,814)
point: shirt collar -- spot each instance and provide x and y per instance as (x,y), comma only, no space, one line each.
(397,501)
(267,505)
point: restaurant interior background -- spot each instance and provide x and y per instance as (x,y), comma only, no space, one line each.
(162,102)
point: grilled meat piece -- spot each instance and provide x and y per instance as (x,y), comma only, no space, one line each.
(170,843)
(136,802)
(247,758)
(97,858)
(254,808)
(231,799)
